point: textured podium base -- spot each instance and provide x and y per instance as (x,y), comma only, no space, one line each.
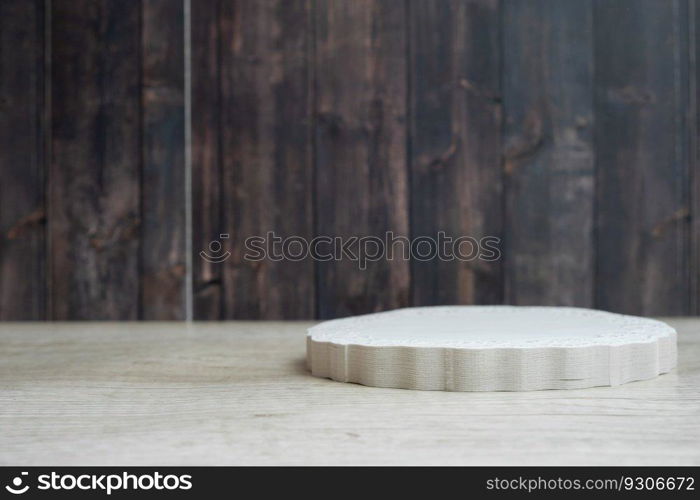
(491,348)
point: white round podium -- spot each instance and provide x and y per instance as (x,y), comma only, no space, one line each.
(491,348)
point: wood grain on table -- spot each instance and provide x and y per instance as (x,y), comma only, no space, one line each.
(239,393)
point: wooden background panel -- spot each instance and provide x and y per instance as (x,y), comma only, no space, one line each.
(568,129)
(94,176)
(642,157)
(548,152)
(361,174)
(694,153)
(22,144)
(455,144)
(266,153)
(206,161)
(163,252)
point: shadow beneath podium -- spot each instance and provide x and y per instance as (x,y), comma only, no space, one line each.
(300,367)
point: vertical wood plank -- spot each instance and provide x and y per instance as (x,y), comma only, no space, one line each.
(266,153)
(206,159)
(642,157)
(361,169)
(94,174)
(694,153)
(22,160)
(548,152)
(163,255)
(455,144)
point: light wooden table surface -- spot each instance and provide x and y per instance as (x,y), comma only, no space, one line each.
(239,393)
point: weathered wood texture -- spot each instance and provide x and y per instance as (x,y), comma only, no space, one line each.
(266,153)
(239,393)
(693,124)
(94,174)
(641,139)
(568,129)
(206,159)
(361,174)
(163,251)
(22,155)
(455,136)
(548,152)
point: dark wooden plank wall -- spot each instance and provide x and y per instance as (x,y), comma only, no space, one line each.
(548,165)
(693,117)
(455,144)
(163,207)
(642,156)
(22,160)
(360,137)
(207,218)
(566,128)
(265,114)
(92,160)
(94,175)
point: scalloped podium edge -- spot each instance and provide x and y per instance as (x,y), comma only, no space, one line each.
(492,369)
